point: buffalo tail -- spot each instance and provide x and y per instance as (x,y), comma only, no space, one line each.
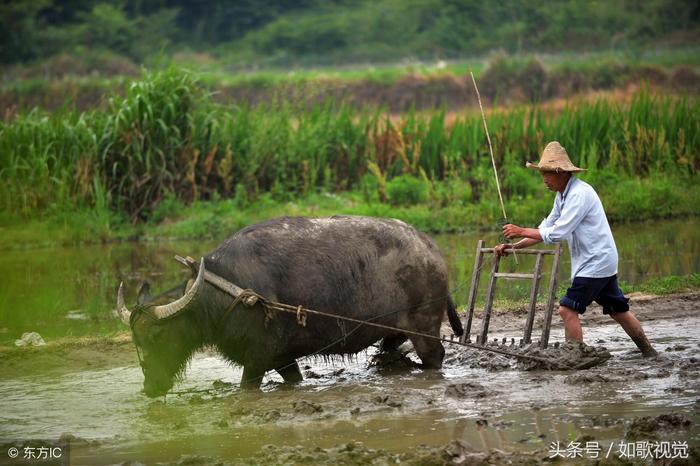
(455,323)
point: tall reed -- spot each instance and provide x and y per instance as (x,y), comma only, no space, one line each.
(166,137)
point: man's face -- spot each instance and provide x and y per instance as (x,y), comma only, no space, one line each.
(555,181)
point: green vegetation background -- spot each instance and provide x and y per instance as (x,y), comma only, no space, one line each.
(165,160)
(280,32)
(155,154)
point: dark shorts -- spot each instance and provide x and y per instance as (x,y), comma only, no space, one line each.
(604,291)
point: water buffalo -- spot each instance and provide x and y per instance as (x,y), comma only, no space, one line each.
(381,270)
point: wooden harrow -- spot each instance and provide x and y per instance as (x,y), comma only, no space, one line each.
(536,277)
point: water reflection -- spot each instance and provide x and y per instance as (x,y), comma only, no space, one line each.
(70,291)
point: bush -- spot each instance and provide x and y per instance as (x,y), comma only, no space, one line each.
(453,191)
(533,80)
(499,77)
(601,179)
(506,74)
(520,182)
(407,190)
(168,208)
(148,142)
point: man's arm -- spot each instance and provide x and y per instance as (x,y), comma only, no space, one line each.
(502,249)
(514,231)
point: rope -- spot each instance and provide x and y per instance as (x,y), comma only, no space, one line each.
(345,335)
(298,310)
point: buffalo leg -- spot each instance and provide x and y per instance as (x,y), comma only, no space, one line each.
(431,352)
(290,372)
(252,377)
(391,343)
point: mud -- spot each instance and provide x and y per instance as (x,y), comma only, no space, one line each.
(370,409)
(570,356)
(457,452)
(649,427)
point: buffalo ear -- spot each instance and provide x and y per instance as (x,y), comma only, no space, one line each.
(144,293)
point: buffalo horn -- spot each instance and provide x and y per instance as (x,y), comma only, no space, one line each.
(122,311)
(176,306)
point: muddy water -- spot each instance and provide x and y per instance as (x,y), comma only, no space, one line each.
(394,408)
(62,292)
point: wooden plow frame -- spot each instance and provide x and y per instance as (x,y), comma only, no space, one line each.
(536,277)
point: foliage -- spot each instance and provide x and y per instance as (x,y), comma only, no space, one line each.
(147,146)
(407,190)
(364,30)
(166,137)
(666,285)
(452,192)
(338,31)
(218,218)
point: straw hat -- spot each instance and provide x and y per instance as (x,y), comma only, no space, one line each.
(555,159)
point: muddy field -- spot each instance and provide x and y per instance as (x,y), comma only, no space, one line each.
(480,409)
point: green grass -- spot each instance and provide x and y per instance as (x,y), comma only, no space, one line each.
(218,218)
(666,285)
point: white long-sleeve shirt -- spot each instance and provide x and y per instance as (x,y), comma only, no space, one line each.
(578,217)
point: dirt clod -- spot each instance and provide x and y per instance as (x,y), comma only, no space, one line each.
(648,427)
(388,400)
(306,407)
(569,356)
(586,377)
(272,416)
(392,361)
(467,390)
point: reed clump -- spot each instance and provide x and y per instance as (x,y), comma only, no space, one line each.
(166,138)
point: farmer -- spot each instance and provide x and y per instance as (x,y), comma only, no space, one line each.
(579,218)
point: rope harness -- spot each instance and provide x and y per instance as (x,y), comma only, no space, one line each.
(250,298)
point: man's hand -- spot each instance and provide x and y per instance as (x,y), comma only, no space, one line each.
(512,231)
(502,249)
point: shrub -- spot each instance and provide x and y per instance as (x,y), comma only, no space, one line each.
(520,181)
(601,179)
(533,80)
(407,190)
(453,191)
(168,208)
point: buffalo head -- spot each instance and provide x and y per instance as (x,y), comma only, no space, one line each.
(165,335)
